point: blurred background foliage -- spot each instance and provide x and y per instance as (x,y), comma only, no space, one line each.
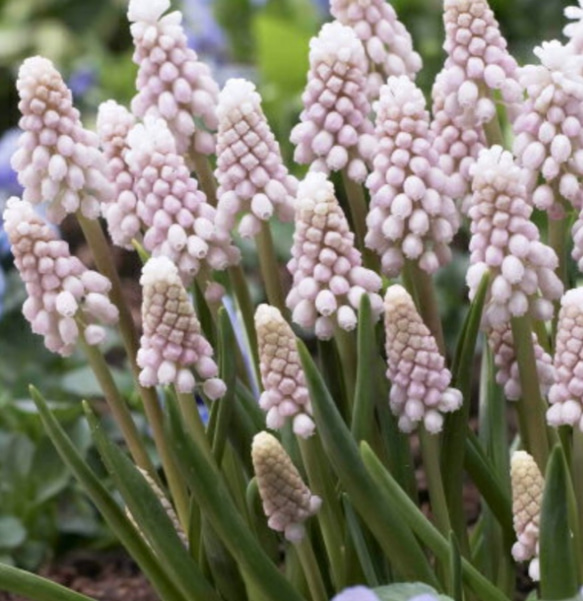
(89,41)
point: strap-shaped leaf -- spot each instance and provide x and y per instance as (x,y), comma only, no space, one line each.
(107,506)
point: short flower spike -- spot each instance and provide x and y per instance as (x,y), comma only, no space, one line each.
(527,492)
(287,501)
(57,159)
(286,395)
(65,299)
(172,341)
(420,390)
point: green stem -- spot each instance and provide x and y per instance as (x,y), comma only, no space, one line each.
(430,452)
(577,474)
(193,422)
(358,208)
(427,302)
(205,176)
(346,345)
(118,408)
(270,268)
(311,570)
(558,235)
(530,406)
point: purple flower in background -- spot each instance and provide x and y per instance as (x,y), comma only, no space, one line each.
(9,185)
(356,593)
(205,35)
(82,80)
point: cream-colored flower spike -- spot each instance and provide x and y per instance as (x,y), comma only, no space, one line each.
(286,395)
(527,492)
(287,501)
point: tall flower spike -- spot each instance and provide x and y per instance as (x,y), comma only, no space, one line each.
(507,371)
(328,277)
(419,379)
(335,132)
(549,131)
(574,30)
(566,395)
(252,177)
(57,159)
(410,215)
(507,243)
(287,501)
(64,296)
(181,223)
(477,64)
(527,492)
(172,341)
(387,43)
(286,395)
(172,83)
(113,125)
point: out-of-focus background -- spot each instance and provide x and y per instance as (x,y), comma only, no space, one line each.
(89,42)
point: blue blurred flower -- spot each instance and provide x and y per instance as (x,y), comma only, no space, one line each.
(356,593)
(424,597)
(205,35)
(9,185)
(82,80)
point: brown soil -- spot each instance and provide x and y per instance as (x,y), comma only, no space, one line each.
(106,576)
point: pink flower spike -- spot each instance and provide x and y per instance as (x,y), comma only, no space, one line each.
(420,381)
(252,177)
(172,83)
(387,43)
(335,132)
(57,160)
(63,295)
(172,341)
(411,216)
(325,265)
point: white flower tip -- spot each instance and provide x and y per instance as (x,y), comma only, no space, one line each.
(238,94)
(147,10)
(156,269)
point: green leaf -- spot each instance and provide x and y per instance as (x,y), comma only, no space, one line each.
(12,532)
(152,519)
(558,571)
(107,506)
(386,524)
(403,591)
(217,505)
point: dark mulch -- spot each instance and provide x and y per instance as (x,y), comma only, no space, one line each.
(106,576)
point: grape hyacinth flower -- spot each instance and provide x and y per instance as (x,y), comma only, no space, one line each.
(387,43)
(172,341)
(566,394)
(335,132)
(506,243)
(501,343)
(114,123)
(574,30)
(65,299)
(172,83)
(252,177)
(420,390)
(287,501)
(327,271)
(180,221)
(411,216)
(57,159)
(549,131)
(477,65)
(527,491)
(286,394)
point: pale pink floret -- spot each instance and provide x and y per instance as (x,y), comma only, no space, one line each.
(328,276)
(335,131)
(411,216)
(387,43)
(113,125)
(507,372)
(65,299)
(477,65)
(172,342)
(420,390)
(253,181)
(549,130)
(172,83)
(180,222)
(574,30)
(566,395)
(286,396)
(57,160)
(507,243)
